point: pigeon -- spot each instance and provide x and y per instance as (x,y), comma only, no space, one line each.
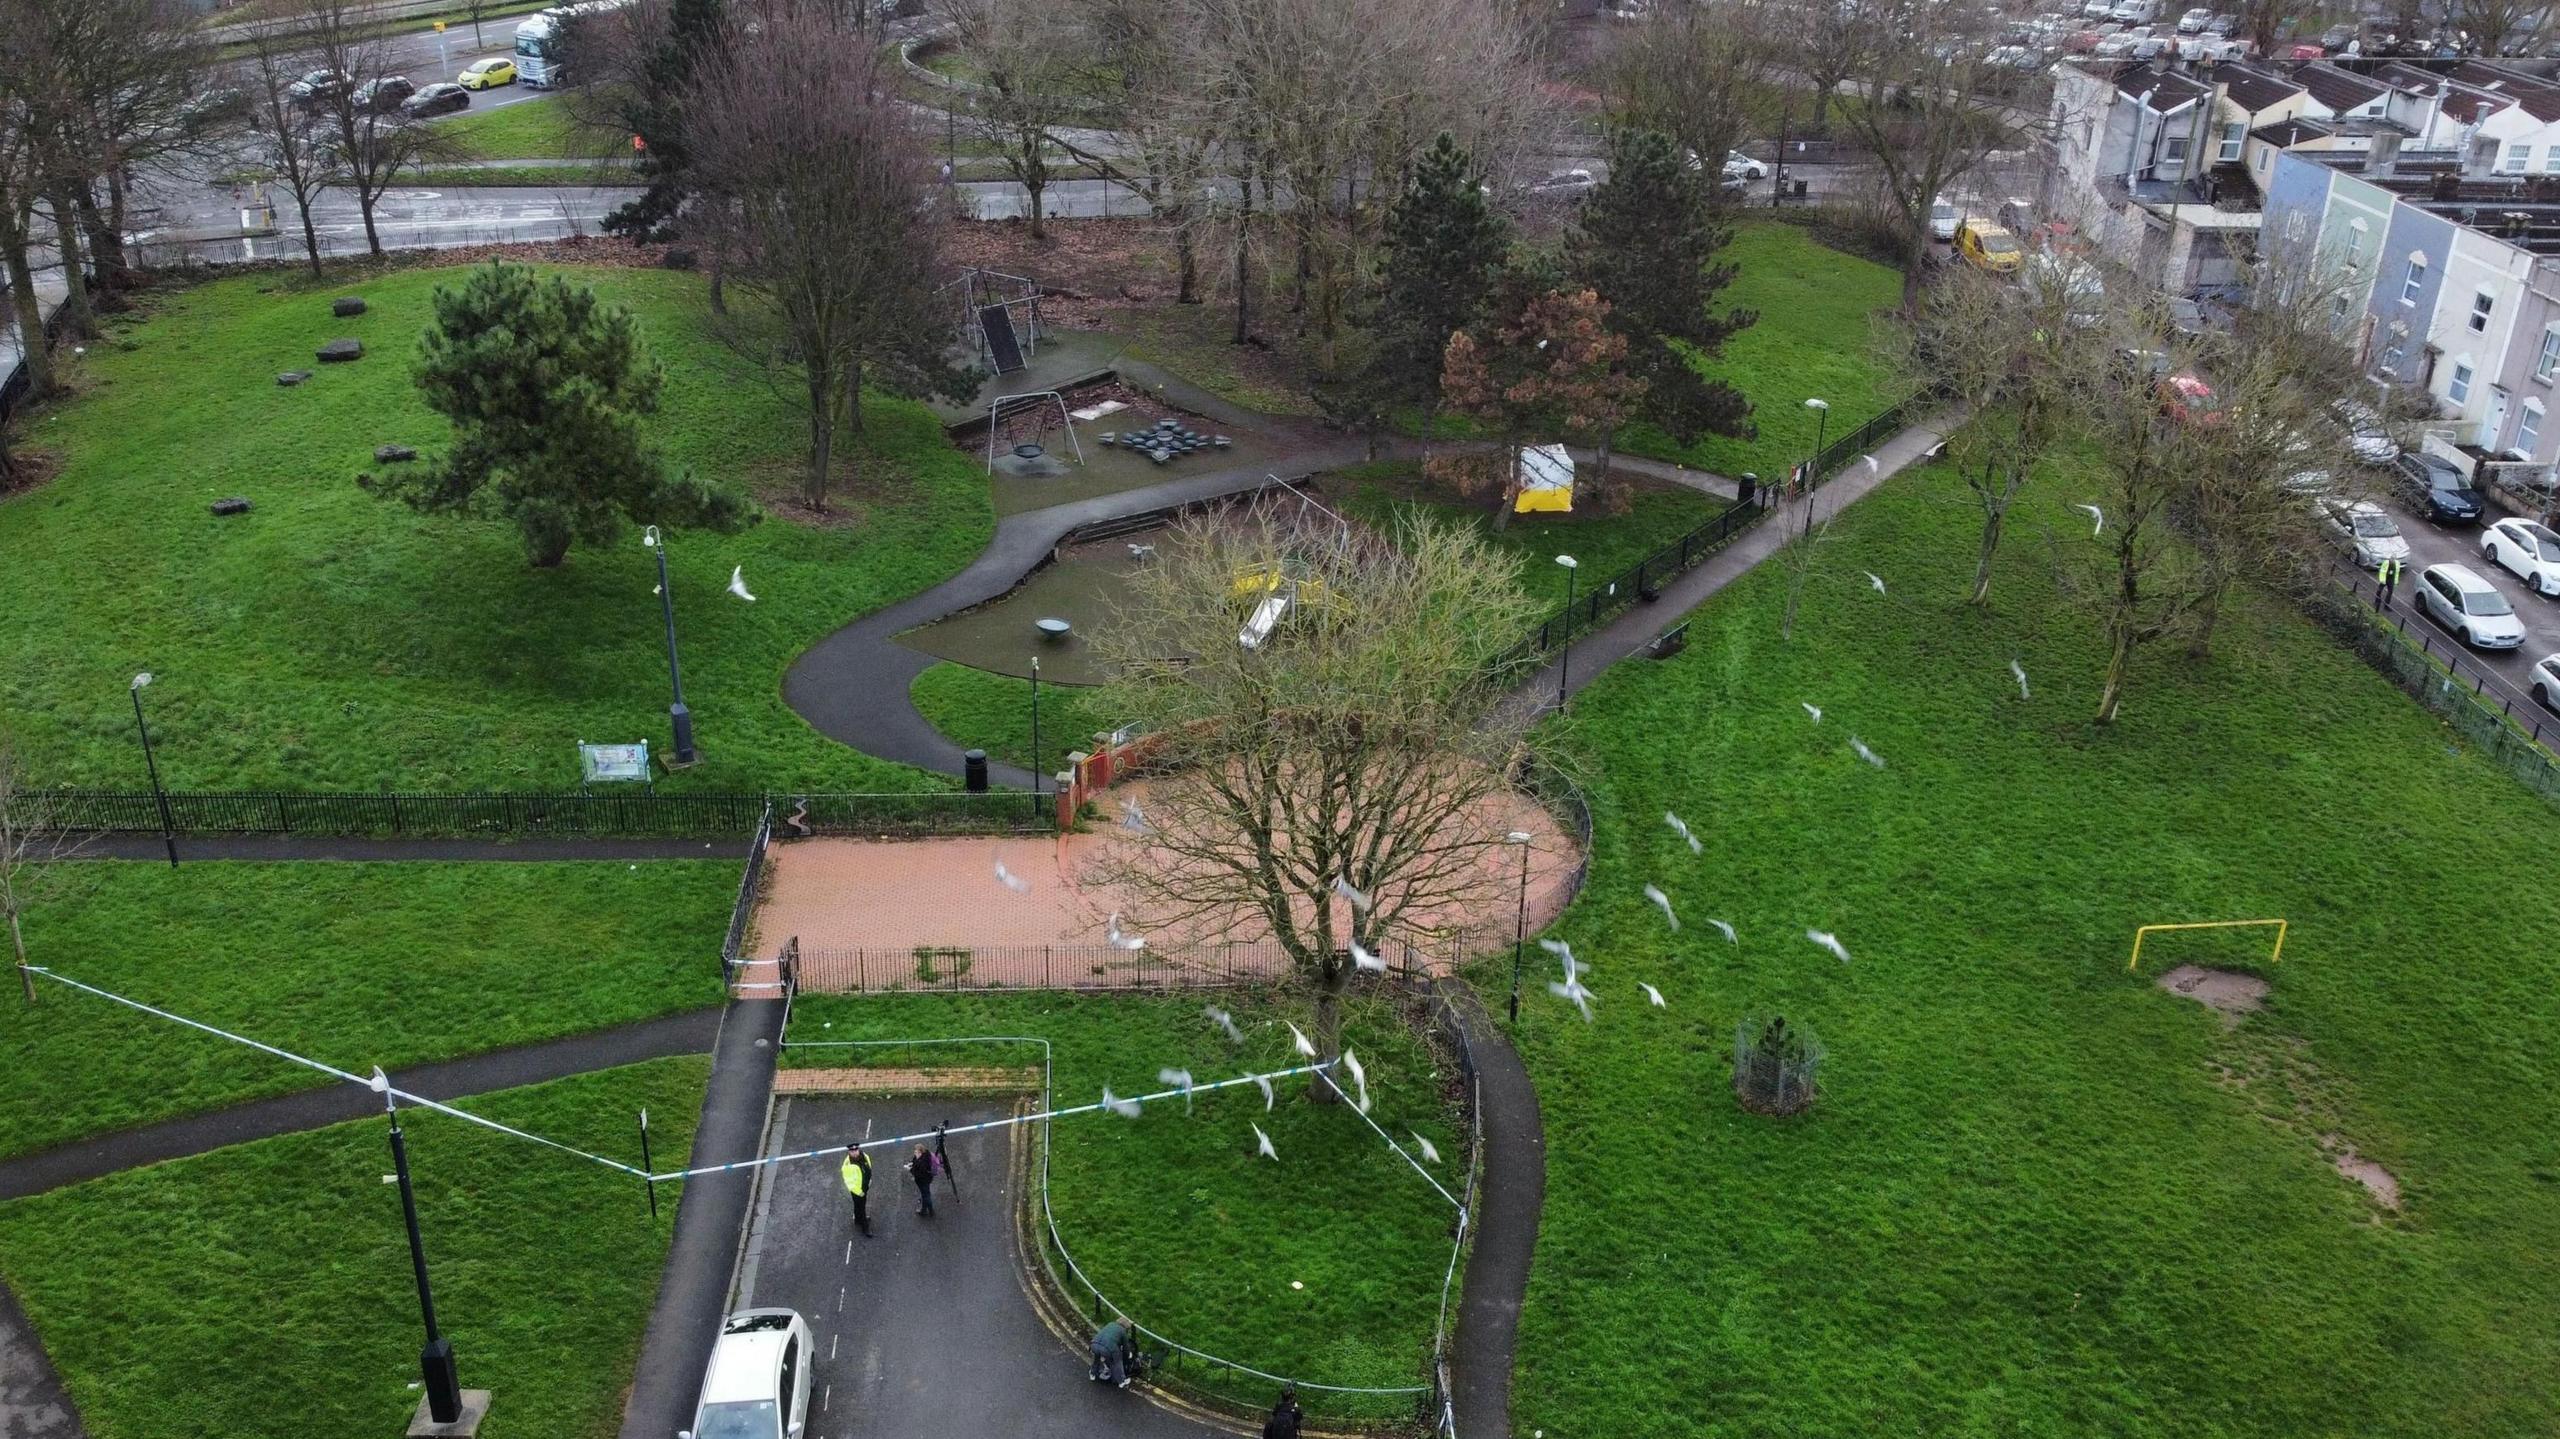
(1563,951)
(1010,880)
(1140,552)
(1363,959)
(1359,1080)
(1872,466)
(1298,1037)
(1813,710)
(1132,818)
(1573,991)
(1264,1080)
(1125,1108)
(1224,1021)
(1429,1154)
(738,584)
(1829,941)
(1663,902)
(1121,939)
(1724,929)
(1359,901)
(1680,827)
(2096,514)
(1652,994)
(1179,1079)
(2020,671)
(1874,579)
(1864,753)
(1262,1145)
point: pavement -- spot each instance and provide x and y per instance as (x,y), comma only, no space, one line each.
(2506,673)
(1513,1192)
(32,1402)
(925,1328)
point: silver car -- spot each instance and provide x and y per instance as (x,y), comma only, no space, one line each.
(2455,597)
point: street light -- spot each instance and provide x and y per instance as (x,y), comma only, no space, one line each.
(677,714)
(435,1360)
(1035,732)
(168,827)
(1520,935)
(1821,425)
(1564,656)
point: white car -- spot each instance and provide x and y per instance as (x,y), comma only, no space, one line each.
(1571,183)
(758,1384)
(2194,21)
(2365,529)
(1738,164)
(2545,681)
(2527,548)
(2472,608)
(1944,216)
(2367,440)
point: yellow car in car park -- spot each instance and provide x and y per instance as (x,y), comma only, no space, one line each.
(487,74)
(1986,246)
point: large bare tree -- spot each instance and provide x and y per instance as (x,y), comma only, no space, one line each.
(294,158)
(819,191)
(31,837)
(370,139)
(1030,58)
(1704,73)
(1930,115)
(1359,741)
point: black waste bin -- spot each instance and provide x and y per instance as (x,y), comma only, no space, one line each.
(973,770)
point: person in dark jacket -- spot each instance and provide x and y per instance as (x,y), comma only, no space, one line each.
(920,1169)
(1112,1347)
(1285,1416)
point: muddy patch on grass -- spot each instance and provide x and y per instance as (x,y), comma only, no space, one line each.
(2380,1184)
(2226,993)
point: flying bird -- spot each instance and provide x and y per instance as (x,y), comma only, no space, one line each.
(1663,902)
(738,584)
(1653,994)
(1829,941)
(2096,514)
(1179,1079)
(1864,753)
(1359,1080)
(1724,929)
(1125,1108)
(1298,1037)
(1874,579)
(2020,671)
(1813,710)
(1264,1080)
(1121,939)
(1429,1154)
(1574,991)
(1132,818)
(1010,880)
(1342,886)
(1140,552)
(1262,1144)
(1224,1021)
(1563,951)
(1680,827)
(1872,466)
(1363,959)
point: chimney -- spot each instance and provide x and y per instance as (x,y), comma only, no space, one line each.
(2383,160)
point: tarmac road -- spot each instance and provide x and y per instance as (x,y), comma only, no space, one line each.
(2431,544)
(923,1329)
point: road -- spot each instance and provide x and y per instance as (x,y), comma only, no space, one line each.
(206,228)
(2432,544)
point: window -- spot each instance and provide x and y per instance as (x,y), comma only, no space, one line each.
(2263,153)
(2233,135)
(2173,147)
(2481,304)
(2414,281)
(2548,362)
(2528,429)
(790,1375)
(2357,233)
(2458,389)
(2393,356)
(2517,160)
(2551,161)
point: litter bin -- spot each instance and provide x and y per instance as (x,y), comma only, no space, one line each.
(1800,189)
(973,770)
(1750,488)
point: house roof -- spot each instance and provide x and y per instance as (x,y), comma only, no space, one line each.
(2160,90)
(2254,90)
(2338,89)
(2537,94)
(2285,134)
(2465,103)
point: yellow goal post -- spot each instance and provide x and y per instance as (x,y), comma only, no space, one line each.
(2148,929)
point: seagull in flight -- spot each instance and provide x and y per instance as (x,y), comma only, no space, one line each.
(1872,466)
(1864,753)
(1663,902)
(1342,886)
(2099,515)
(1359,1080)
(1829,941)
(1724,929)
(1179,1079)
(1298,1037)
(1132,818)
(1262,1145)
(738,583)
(2020,671)
(1874,579)
(1010,880)
(1224,1021)
(1264,1081)
(1813,710)
(1652,994)
(1363,959)
(1680,827)
(1125,1108)
(1429,1154)
(1573,990)
(1120,939)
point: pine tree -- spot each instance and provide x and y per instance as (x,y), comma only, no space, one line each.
(546,386)
(1647,243)
(1443,248)
(654,110)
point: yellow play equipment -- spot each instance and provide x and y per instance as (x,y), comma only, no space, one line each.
(2208,924)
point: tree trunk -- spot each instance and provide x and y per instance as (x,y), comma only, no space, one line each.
(106,244)
(1507,486)
(2200,644)
(1244,229)
(30,314)
(1039,219)
(310,233)
(853,398)
(1993,519)
(2119,660)
(822,435)
(1334,980)
(18,946)
(364,200)
(78,320)
(1186,265)
(719,276)
(1821,108)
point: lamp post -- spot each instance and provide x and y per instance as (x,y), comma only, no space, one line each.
(168,827)
(1564,655)
(435,1360)
(677,714)
(1520,935)
(1821,425)
(1035,731)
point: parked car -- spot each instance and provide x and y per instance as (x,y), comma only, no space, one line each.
(2115,47)
(1944,216)
(2364,530)
(2527,548)
(2187,399)
(442,97)
(1565,184)
(487,74)
(2024,59)
(2222,25)
(2308,484)
(2147,49)
(758,1384)
(1986,246)
(384,93)
(2367,440)
(1737,163)
(2194,21)
(2436,490)
(318,87)
(214,107)
(2059,277)
(2546,681)
(2335,38)
(2096,9)
(2186,316)
(2472,608)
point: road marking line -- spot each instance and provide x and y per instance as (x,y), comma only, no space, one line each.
(832,1341)
(826,1399)
(848,1251)
(839,1300)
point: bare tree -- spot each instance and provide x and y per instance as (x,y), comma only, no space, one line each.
(31,837)
(370,139)
(822,196)
(2134,573)
(296,160)
(1702,73)
(1031,64)
(1360,740)
(1930,115)
(2493,23)
(20,175)
(1169,129)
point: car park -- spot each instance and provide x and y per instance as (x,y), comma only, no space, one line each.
(384,93)
(1987,247)
(441,98)
(2363,529)
(2115,47)
(757,1385)
(487,74)
(2527,549)
(2456,597)
(2545,681)
(2367,440)
(2435,489)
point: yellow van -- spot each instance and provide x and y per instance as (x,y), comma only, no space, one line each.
(1986,246)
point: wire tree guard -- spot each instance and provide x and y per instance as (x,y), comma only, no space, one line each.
(1774,1065)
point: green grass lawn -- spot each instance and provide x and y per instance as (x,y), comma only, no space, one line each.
(980,709)
(542,129)
(351,964)
(2030,1200)
(265,1288)
(1176,1218)
(1605,545)
(1816,337)
(534,176)
(329,640)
